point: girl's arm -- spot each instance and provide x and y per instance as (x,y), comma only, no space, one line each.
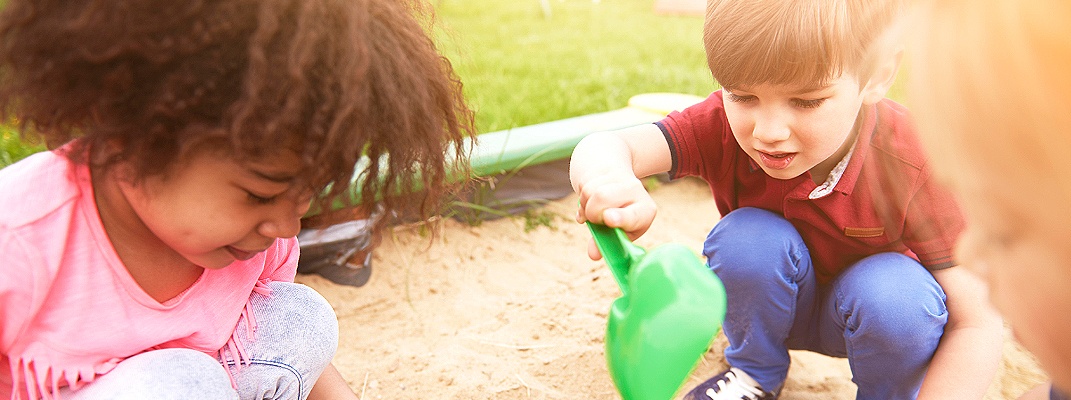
(331,386)
(605,169)
(967,359)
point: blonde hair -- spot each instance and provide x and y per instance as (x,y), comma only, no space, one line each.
(751,42)
(1006,136)
(991,91)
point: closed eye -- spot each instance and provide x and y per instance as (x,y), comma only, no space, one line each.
(738,98)
(260,199)
(814,103)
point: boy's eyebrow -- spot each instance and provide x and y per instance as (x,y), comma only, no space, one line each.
(811,89)
(802,90)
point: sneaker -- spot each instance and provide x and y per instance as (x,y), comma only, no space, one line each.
(732,384)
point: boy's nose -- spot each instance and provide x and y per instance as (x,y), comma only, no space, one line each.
(771,130)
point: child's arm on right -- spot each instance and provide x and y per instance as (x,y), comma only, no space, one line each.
(1039,392)
(331,386)
(605,171)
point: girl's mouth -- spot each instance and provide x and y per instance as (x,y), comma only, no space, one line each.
(241,255)
(776,161)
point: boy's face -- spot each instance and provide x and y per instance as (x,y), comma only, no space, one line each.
(212,210)
(792,129)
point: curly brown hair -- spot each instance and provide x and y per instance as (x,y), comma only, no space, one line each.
(335,80)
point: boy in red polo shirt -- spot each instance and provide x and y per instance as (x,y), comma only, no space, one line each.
(817,249)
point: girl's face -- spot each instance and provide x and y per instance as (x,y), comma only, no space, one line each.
(212,210)
(789,130)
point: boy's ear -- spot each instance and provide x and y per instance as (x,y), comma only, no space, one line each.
(883,78)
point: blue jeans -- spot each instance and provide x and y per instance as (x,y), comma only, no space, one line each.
(296,338)
(885,313)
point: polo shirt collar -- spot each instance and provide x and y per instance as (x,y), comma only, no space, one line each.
(827,187)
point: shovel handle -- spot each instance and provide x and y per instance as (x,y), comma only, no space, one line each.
(618,251)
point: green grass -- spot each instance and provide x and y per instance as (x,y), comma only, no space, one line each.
(521,66)
(12,148)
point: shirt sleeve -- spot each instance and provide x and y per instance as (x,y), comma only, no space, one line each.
(20,288)
(933,224)
(699,138)
(282,263)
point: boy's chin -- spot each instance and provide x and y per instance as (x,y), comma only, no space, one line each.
(782,174)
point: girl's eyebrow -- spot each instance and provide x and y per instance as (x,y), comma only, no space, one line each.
(279,178)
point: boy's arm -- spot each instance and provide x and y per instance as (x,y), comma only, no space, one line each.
(331,386)
(969,354)
(605,169)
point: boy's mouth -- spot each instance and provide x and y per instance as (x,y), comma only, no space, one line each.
(776,160)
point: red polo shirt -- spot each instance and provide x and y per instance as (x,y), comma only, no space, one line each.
(885,200)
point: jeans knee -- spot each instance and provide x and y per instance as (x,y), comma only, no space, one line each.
(302,317)
(892,296)
(162,374)
(752,242)
(296,337)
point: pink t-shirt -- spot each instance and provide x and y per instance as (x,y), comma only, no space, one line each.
(69,310)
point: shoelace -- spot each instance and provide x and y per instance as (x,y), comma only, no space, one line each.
(733,388)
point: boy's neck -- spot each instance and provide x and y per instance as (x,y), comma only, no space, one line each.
(820,173)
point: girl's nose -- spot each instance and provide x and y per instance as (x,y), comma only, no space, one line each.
(285,220)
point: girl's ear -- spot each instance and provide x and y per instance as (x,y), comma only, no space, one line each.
(883,78)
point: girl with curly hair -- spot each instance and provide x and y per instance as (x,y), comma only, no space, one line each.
(151,253)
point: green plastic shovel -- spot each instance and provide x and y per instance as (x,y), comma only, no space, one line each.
(670,309)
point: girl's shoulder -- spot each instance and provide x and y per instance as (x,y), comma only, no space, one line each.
(38,186)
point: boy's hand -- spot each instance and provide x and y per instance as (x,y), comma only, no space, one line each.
(617,202)
(604,171)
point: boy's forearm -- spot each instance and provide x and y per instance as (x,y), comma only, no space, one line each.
(599,155)
(633,152)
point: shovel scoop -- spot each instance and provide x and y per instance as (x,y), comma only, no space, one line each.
(670,309)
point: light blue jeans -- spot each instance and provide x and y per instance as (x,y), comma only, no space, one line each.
(885,313)
(296,338)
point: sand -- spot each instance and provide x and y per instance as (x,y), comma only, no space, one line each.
(497,312)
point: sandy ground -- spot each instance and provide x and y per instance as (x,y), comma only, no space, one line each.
(495,312)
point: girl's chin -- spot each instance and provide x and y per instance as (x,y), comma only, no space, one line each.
(220,261)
